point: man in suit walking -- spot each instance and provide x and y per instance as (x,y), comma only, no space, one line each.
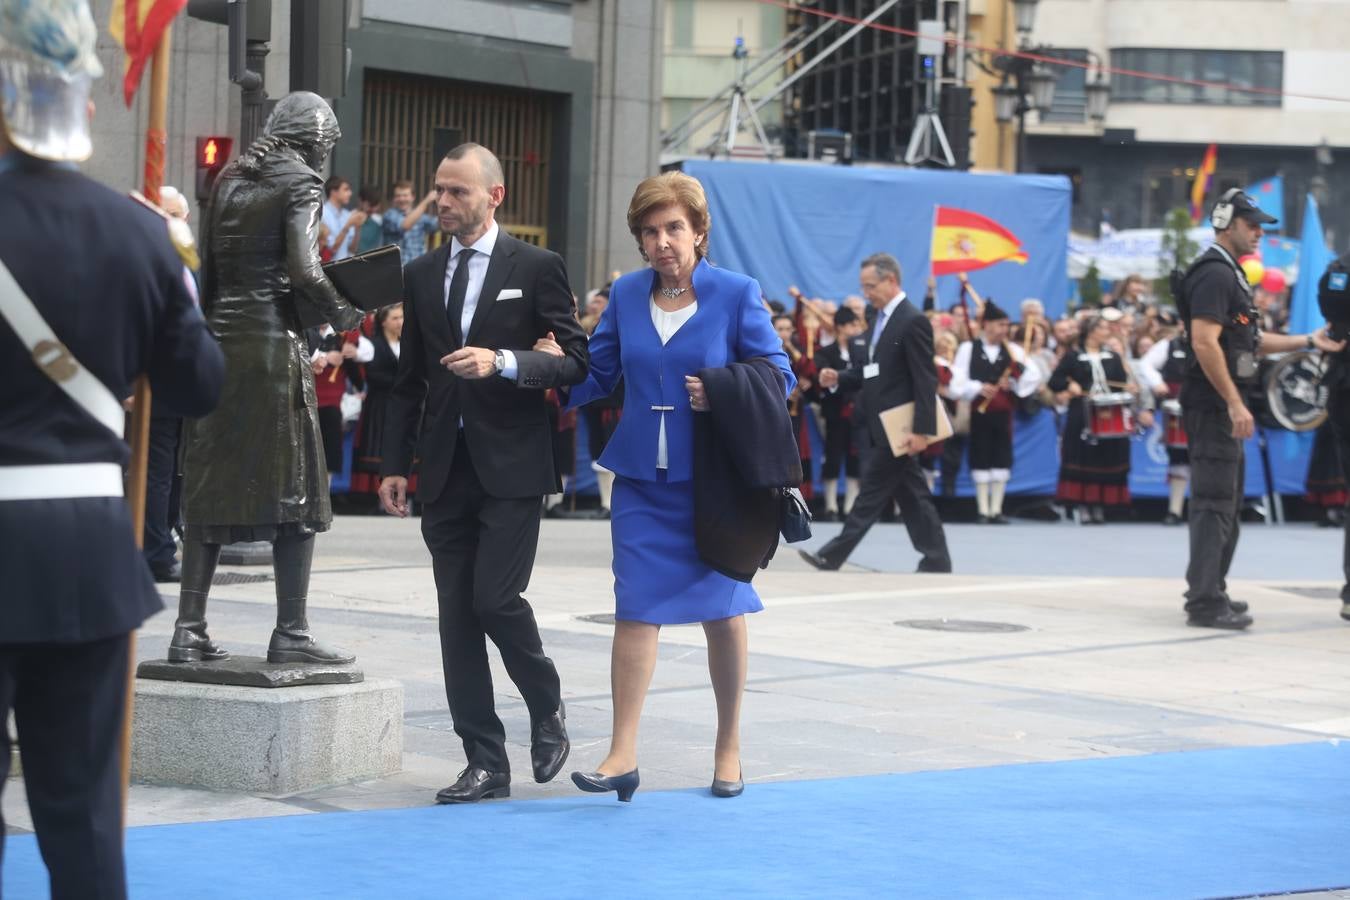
(899,370)
(474,309)
(73,339)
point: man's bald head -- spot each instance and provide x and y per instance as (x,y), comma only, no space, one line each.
(488,164)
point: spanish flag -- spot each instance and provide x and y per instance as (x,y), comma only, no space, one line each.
(1200,186)
(964,241)
(138,25)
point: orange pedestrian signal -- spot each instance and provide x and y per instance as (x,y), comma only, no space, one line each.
(212,154)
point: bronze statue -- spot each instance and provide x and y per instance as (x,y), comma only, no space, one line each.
(254,470)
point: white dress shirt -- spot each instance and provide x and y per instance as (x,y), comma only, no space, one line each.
(667,323)
(966,388)
(478,266)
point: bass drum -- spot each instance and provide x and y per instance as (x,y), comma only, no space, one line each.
(1293,394)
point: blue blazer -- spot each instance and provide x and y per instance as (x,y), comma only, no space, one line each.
(731,324)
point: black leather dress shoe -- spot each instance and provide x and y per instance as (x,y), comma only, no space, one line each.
(476,783)
(999,519)
(1228,620)
(818,561)
(549,746)
(1238,606)
(170,572)
(928,565)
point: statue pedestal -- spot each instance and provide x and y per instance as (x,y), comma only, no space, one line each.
(259,740)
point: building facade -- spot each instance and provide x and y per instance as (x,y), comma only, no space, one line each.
(1140,162)
(566,93)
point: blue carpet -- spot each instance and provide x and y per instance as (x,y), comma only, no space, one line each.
(1219,823)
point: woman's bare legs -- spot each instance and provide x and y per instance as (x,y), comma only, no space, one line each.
(727,654)
(632,661)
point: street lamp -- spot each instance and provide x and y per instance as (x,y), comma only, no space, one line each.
(1098,95)
(1024,15)
(1041,85)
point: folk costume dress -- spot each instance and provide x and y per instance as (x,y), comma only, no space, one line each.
(1091,472)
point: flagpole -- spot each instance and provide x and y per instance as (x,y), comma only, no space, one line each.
(155,140)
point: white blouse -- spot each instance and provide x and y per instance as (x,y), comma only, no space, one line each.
(666,324)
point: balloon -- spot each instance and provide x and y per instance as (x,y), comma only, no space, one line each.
(1274,281)
(1252,265)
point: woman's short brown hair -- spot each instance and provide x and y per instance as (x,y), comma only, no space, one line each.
(671,189)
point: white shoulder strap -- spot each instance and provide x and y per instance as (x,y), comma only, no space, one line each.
(54,358)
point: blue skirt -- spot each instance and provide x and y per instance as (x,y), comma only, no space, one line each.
(658,576)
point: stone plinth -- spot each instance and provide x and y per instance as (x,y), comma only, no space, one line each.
(249,671)
(260,741)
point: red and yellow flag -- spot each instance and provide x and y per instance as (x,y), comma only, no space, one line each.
(1200,186)
(138,25)
(964,241)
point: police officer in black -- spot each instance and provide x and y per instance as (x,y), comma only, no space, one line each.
(92,295)
(1333,296)
(1222,320)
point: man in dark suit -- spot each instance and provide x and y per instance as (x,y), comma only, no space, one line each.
(899,370)
(848,351)
(73,339)
(474,309)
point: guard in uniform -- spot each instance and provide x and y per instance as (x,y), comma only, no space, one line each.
(990,372)
(1333,296)
(1216,302)
(73,338)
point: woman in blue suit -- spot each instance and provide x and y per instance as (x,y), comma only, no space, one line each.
(662,326)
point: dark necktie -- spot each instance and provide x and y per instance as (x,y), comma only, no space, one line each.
(459,288)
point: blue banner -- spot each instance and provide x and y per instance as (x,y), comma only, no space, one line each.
(811,225)
(1036,461)
(1313,259)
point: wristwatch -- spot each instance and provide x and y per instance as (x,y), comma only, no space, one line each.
(1309,342)
(499,362)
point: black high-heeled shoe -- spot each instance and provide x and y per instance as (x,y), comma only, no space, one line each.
(722,788)
(596,783)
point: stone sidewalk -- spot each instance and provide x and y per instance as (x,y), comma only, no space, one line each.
(1074,651)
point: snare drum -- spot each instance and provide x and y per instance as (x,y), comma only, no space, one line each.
(1174,431)
(1109,416)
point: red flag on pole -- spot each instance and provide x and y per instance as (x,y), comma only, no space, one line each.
(137,26)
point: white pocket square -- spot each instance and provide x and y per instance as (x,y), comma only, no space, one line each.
(511,294)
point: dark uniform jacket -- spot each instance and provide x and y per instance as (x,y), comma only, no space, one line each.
(505,423)
(836,405)
(101,271)
(904,354)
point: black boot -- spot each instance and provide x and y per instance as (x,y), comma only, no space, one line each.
(291,641)
(190,642)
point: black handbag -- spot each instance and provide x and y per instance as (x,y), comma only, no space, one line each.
(794,519)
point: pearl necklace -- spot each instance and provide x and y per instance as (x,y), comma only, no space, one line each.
(673,293)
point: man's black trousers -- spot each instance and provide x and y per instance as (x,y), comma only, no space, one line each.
(1218,467)
(884,477)
(1338,409)
(482,552)
(68,702)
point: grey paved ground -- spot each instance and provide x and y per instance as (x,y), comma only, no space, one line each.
(1104,666)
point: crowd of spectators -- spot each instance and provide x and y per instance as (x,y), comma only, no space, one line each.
(1144,333)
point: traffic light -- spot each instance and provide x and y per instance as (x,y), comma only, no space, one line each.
(212,154)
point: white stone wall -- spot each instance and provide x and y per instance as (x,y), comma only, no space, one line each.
(1314,36)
